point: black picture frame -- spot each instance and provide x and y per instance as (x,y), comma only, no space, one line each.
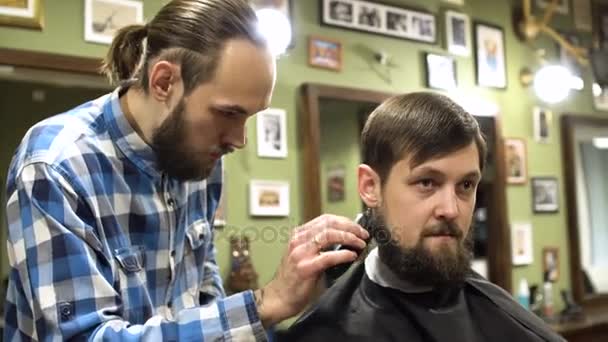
(380,19)
(545,195)
(490,60)
(600,25)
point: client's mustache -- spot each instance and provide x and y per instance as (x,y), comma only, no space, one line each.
(444,228)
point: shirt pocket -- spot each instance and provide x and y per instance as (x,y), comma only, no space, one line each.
(132,282)
(130,259)
(199,237)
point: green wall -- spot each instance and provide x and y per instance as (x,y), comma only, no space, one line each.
(64,34)
(340,148)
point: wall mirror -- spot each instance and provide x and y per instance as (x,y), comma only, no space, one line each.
(585,155)
(332,119)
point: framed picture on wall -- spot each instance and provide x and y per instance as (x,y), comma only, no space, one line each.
(272,133)
(373,17)
(324,53)
(454,2)
(490,56)
(336,183)
(440,71)
(543,119)
(22,13)
(600,23)
(268,198)
(521,244)
(545,195)
(568,60)
(457,33)
(563,6)
(600,97)
(516,161)
(581,13)
(103,18)
(551,264)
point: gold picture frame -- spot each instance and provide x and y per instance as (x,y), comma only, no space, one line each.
(324,53)
(22,13)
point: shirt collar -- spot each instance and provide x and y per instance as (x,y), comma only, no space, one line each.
(381,274)
(126,138)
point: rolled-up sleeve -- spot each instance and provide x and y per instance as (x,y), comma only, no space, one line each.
(62,282)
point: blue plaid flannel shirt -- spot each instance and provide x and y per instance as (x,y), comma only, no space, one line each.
(103,246)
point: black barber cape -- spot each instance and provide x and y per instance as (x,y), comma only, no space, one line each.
(357,309)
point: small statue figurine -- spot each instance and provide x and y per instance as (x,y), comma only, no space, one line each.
(242,274)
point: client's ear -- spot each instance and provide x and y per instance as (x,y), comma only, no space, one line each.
(369,186)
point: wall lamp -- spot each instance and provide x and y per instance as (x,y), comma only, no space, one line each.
(274,24)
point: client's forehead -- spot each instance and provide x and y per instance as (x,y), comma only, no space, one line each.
(464,160)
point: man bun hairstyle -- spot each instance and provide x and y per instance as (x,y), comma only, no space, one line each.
(191,33)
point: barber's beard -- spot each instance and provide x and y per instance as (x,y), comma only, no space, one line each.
(173,153)
(443,266)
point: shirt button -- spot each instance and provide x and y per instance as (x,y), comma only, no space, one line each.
(65,311)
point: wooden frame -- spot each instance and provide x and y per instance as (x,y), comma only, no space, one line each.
(516,161)
(490,55)
(324,53)
(29,17)
(377,18)
(56,62)
(577,281)
(499,248)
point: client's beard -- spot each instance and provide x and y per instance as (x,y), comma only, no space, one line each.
(417,264)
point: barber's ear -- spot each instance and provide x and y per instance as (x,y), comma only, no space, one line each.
(164,79)
(369,186)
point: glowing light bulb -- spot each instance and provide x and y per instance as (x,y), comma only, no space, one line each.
(552,83)
(275,27)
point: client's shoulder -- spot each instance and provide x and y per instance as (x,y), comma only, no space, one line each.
(324,319)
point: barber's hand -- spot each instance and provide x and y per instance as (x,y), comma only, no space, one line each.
(304,263)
